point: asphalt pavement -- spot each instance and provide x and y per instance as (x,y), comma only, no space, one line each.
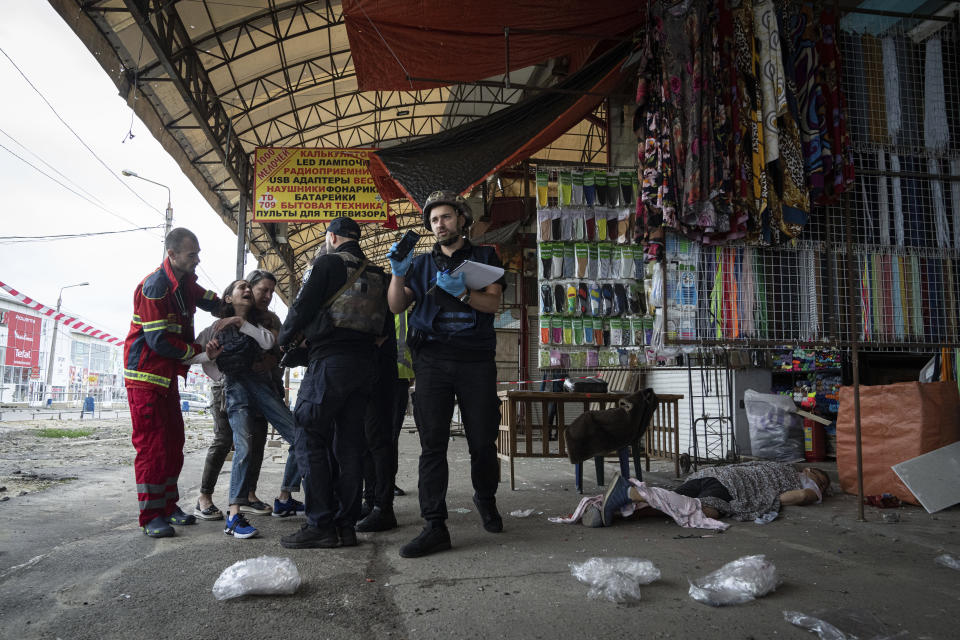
(73,564)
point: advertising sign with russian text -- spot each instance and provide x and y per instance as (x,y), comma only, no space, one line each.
(23,340)
(315,185)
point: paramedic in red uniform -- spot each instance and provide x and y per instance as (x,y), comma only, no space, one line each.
(159,347)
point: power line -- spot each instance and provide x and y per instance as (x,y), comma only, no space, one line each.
(76,135)
(50,166)
(69,236)
(68,188)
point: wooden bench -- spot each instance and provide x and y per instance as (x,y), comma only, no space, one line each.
(525,431)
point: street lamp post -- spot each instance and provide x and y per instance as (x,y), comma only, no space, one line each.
(168,218)
(53,340)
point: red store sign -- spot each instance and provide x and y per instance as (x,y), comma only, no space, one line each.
(23,340)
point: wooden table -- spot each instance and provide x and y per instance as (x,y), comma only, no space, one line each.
(523,433)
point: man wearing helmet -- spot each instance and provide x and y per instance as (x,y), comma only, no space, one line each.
(453,342)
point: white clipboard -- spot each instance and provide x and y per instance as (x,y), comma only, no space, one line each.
(477,275)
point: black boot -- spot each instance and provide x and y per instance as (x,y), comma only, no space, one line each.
(492,521)
(310,537)
(348,536)
(366,508)
(432,539)
(378,520)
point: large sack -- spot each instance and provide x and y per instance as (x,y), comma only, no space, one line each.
(776,432)
(898,422)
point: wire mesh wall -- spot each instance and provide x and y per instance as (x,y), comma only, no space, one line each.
(900,222)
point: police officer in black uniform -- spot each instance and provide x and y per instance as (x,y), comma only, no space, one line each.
(341,322)
(453,341)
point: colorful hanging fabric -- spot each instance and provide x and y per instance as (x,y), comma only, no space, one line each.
(839,174)
(936,133)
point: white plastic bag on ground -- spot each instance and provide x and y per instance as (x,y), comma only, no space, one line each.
(736,582)
(842,624)
(776,432)
(266,575)
(948,561)
(615,579)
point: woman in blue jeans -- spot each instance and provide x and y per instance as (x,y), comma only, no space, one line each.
(243,338)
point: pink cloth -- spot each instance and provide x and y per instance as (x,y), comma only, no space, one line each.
(685,511)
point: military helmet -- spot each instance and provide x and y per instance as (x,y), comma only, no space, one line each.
(451,198)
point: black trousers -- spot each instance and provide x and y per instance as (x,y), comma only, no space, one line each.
(473,385)
(380,460)
(330,442)
(704,488)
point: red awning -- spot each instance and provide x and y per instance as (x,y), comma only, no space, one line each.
(393,41)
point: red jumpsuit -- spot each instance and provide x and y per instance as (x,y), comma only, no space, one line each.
(157,348)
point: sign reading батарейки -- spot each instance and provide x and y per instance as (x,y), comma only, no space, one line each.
(315,185)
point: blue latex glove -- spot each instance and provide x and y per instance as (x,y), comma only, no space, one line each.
(399,268)
(452,284)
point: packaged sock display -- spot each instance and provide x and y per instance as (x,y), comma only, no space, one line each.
(583,303)
(592,262)
(619,299)
(607,291)
(609,358)
(565,194)
(626,188)
(636,332)
(604,258)
(647,323)
(543,358)
(543,185)
(600,224)
(546,255)
(544,330)
(559,298)
(623,226)
(546,299)
(572,305)
(567,216)
(580,225)
(616,332)
(600,180)
(589,190)
(569,260)
(582,250)
(576,196)
(613,189)
(544,229)
(556,227)
(556,360)
(587,331)
(605,324)
(578,330)
(592,359)
(556,254)
(636,297)
(567,330)
(625,261)
(596,302)
(556,330)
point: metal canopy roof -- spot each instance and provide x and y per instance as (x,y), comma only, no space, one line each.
(213,79)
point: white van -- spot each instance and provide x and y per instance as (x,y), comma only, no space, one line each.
(190,401)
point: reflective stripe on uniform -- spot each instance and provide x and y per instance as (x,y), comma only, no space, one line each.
(189,354)
(143,376)
(155,503)
(155,325)
(173,328)
(151,488)
(209,295)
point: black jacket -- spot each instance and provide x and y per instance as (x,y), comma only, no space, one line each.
(326,278)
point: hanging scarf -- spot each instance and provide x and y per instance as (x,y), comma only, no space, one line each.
(896,271)
(936,133)
(748,294)
(893,120)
